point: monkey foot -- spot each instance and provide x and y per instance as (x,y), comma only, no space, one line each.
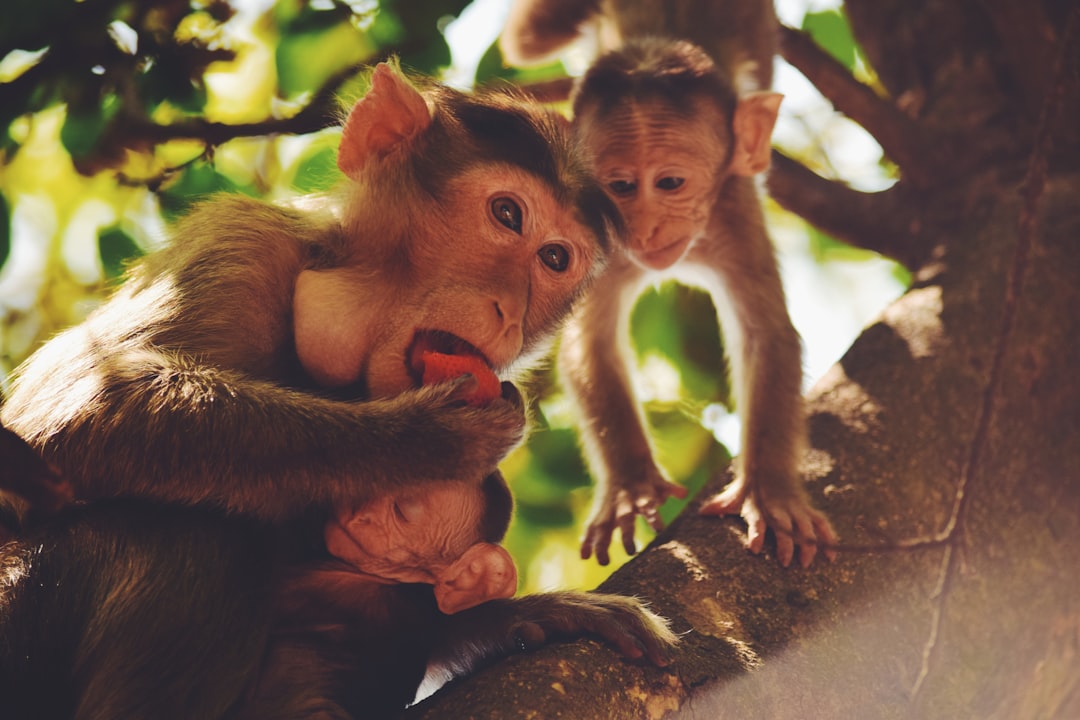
(793,520)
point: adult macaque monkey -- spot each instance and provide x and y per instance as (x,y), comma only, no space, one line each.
(266,361)
(675,134)
(129,608)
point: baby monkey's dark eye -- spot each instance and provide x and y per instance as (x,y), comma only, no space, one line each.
(507,212)
(622,187)
(670,183)
(555,257)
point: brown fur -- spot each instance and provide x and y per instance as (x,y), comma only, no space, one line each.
(674,137)
(260,362)
(126,608)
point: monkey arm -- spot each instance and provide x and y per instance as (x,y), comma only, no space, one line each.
(503,627)
(766,362)
(167,426)
(593,359)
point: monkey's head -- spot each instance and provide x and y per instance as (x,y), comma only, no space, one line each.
(663,130)
(445,534)
(469,226)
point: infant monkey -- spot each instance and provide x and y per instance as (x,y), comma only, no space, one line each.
(675,134)
(354,635)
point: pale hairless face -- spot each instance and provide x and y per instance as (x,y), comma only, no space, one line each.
(409,537)
(661,167)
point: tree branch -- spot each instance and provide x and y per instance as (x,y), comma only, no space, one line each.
(898,134)
(874,221)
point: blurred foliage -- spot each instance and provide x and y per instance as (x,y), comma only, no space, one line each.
(115,116)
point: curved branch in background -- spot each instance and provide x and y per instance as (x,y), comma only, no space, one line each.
(898,134)
(322,111)
(873,221)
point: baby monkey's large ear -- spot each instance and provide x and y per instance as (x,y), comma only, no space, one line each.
(755,117)
(484,572)
(392,112)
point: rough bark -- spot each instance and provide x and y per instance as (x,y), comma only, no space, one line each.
(946,442)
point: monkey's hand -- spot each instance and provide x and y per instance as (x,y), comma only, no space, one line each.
(618,507)
(465,439)
(791,516)
(501,627)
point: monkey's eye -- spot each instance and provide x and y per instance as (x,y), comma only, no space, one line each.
(399,513)
(670,183)
(622,187)
(555,257)
(507,212)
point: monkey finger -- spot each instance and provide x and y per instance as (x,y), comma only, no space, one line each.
(597,539)
(601,550)
(626,531)
(651,513)
(724,503)
(464,386)
(785,539)
(826,536)
(755,528)
(648,507)
(755,537)
(806,538)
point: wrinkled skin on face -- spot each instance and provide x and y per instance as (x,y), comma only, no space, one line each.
(661,166)
(427,537)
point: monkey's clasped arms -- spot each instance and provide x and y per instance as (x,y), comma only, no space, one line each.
(262,377)
(675,134)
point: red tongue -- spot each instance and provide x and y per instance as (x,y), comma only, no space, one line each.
(439,367)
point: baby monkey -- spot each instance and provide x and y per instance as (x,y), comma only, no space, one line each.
(131,608)
(676,140)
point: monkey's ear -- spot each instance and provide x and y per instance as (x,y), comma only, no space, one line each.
(484,572)
(755,117)
(390,113)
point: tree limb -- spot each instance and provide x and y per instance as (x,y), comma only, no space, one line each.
(899,136)
(874,221)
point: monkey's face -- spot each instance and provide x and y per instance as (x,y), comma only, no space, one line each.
(662,168)
(409,537)
(491,268)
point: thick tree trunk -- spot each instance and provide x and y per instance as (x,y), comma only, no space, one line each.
(946,442)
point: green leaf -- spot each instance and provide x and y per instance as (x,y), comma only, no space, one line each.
(83,127)
(170,80)
(310,53)
(679,323)
(317,170)
(556,454)
(413,30)
(197,182)
(5,231)
(830,30)
(492,67)
(116,249)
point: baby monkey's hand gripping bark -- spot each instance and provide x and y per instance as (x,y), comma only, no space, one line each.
(268,360)
(675,134)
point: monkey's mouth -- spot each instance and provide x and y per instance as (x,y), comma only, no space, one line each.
(438,341)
